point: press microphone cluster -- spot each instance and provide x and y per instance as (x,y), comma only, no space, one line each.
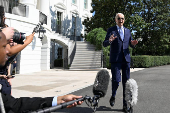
(99,90)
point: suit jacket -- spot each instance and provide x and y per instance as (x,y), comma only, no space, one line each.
(118,48)
(25,104)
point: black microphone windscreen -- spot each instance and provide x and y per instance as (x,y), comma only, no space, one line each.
(101,83)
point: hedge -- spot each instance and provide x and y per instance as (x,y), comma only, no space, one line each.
(145,61)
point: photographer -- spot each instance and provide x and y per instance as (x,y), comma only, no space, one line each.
(12,50)
(25,104)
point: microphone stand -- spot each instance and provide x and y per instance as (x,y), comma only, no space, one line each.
(96,99)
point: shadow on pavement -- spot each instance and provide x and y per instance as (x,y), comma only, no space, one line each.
(86,110)
(104,108)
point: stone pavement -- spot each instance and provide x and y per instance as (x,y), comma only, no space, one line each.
(53,82)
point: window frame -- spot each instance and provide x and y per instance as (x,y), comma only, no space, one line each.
(74,1)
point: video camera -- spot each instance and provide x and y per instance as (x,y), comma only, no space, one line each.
(18,37)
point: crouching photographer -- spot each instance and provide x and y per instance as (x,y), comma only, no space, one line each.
(12,37)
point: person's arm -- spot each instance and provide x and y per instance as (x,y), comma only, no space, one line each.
(133,42)
(25,104)
(22,104)
(3,76)
(9,69)
(17,48)
(109,38)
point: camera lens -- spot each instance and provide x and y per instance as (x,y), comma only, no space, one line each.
(19,37)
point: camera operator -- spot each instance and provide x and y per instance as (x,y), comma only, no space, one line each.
(25,104)
(12,50)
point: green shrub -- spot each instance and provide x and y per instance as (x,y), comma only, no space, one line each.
(96,37)
(100,38)
(106,52)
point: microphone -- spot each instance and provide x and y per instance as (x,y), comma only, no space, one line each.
(131,94)
(101,83)
(100,86)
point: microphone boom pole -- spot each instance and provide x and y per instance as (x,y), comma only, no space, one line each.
(60,106)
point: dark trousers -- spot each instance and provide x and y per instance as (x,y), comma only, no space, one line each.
(116,76)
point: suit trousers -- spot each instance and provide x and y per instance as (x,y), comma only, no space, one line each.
(116,76)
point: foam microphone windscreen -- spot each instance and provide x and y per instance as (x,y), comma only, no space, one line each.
(101,83)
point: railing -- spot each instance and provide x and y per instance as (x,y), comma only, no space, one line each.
(72,54)
(103,59)
(65,65)
(14,7)
(42,18)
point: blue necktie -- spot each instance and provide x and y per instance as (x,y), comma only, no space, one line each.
(121,34)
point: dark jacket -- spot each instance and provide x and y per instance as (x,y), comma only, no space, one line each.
(118,48)
(25,104)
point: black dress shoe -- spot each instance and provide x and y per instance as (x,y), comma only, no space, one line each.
(112,101)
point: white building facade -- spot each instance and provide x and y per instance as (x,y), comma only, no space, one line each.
(63,24)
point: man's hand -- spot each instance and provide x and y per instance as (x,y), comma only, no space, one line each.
(112,38)
(134,42)
(9,32)
(67,98)
(29,38)
(3,76)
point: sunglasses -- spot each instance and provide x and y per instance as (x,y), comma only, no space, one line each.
(120,18)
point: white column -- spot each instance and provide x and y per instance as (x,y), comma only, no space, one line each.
(31,3)
(44,7)
(31,11)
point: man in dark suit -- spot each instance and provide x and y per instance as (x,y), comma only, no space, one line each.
(119,38)
(25,104)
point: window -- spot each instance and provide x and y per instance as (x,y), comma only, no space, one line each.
(74,1)
(73,25)
(85,4)
(58,22)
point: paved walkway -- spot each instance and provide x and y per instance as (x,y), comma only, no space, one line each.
(153,94)
(53,82)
